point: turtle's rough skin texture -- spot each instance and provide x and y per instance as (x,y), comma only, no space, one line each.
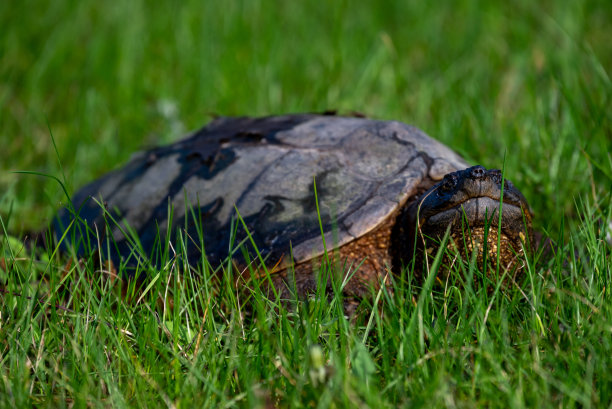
(371,176)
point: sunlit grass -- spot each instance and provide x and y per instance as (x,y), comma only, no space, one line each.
(73,333)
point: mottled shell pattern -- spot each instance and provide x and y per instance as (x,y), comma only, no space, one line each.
(266,168)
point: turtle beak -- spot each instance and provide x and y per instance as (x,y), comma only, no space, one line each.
(478,196)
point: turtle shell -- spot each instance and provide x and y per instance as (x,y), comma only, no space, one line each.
(266,169)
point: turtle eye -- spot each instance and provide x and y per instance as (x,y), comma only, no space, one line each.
(448,183)
(496,176)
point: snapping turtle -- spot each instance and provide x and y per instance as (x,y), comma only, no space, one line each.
(377,183)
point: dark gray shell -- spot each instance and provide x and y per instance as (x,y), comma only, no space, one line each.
(265,167)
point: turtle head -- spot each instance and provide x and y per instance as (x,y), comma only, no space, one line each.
(470,202)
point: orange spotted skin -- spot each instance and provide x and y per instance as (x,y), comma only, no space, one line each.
(368,260)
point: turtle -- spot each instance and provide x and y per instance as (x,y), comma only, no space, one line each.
(377,195)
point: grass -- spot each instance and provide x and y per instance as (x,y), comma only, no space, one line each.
(527,81)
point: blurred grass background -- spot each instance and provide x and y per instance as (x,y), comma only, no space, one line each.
(528,81)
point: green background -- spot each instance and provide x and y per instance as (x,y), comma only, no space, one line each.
(528,81)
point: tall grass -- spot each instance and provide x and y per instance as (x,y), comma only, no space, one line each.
(73,334)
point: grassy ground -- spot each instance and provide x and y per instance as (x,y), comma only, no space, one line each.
(527,81)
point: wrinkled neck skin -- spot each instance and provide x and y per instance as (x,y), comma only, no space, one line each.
(470,201)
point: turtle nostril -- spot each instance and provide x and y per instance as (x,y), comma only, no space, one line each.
(478,172)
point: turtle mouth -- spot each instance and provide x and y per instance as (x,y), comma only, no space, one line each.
(479,212)
(474,226)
